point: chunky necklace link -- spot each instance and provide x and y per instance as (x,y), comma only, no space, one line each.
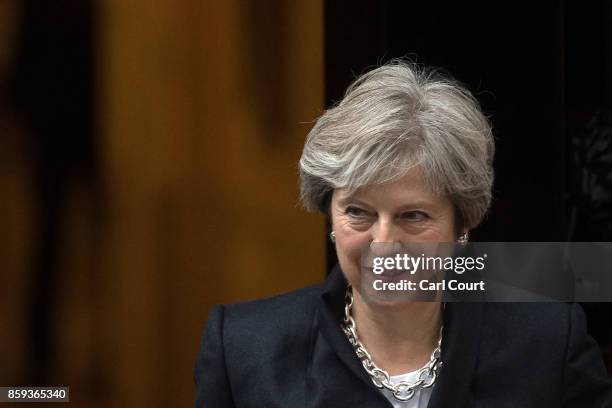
(402,390)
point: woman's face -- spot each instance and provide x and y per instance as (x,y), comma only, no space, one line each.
(402,211)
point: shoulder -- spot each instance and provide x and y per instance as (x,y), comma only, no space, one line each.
(265,323)
(530,312)
(537,331)
(276,329)
(530,338)
(549,321)
(274,310)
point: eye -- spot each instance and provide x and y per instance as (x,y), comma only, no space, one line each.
(355,211)
(415,216)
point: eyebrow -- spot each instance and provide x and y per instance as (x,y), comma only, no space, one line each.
(421,203)
(418,203)
(351,199)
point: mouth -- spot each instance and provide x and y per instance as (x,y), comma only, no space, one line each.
(386,274)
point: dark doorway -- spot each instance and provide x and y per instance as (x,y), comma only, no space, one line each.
(542,72)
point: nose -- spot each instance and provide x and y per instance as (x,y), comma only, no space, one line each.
(385,238)
(385,231)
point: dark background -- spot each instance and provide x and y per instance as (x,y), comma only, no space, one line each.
(542,72)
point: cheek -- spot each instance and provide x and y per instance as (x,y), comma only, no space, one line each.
(348,248)
(440,232)
(446,229)
(349,239)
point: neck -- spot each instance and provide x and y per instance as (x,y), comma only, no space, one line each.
(400,337)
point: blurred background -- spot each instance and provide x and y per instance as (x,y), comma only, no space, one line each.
(148,161)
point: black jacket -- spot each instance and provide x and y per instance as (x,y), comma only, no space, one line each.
(289,351)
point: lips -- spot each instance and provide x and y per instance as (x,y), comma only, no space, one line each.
(388,273)
(392,272)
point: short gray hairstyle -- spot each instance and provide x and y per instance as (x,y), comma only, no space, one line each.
(394,118)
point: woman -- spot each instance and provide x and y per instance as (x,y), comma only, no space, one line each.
(406,156)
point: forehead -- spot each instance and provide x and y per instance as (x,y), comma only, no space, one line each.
(409,189)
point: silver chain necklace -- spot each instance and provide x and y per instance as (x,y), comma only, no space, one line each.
(402,390)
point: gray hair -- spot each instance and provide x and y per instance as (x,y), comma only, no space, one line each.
(392,119)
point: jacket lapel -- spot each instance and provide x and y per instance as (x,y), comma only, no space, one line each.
(460,344)
(331,313)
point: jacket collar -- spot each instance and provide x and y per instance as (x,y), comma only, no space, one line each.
(460,343)
(330,315)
